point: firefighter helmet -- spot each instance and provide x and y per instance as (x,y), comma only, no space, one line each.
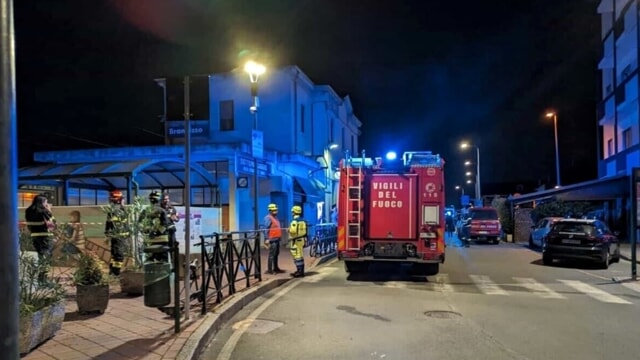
(272,207)
(154,197)
(115,196)
(296,210)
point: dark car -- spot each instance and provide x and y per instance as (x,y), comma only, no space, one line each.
(581,239)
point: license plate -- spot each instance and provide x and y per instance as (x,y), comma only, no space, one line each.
(483,232)
(570,241)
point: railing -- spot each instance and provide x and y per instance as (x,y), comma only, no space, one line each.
(226,260)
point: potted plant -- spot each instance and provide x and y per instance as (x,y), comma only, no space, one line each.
(132,275)
(92,284)
(42,306)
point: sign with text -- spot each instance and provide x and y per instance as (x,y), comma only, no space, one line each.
(392,198)
(257,144)
(175,129)
(245,166)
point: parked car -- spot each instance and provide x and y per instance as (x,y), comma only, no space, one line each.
(582,239)
(540,230)
(482,224)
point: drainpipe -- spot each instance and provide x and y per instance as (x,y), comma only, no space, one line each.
(295,112)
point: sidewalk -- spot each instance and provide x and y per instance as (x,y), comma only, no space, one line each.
(130,330)
(625,252)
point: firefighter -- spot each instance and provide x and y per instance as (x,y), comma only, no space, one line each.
(41,224)
(155,223)
(297,240)
(117,231)
(273,235)
(173,219)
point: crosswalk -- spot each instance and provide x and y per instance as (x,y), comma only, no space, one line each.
(559,289)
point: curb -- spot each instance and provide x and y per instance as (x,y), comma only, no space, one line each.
(212,321)
(628,258)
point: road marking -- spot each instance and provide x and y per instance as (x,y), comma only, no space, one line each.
(632,285)
(395,284)
(594,292)
(322,273)
(594,275)
(487,286)
(442,283)
(230,345)
(538,288)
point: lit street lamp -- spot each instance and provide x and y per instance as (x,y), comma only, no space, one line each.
(554,116)
(458,187)
(255,70)
(465,145)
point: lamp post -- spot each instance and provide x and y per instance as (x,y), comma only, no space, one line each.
(458,187)
(465,145)
(553,115)
(255,70)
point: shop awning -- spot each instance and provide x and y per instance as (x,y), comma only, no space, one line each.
(309,188)
(602,189)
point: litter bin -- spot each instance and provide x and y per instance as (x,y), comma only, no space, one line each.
(157,280)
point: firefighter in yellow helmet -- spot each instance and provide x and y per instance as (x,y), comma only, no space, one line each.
(273,236)
(117,231)
(297,240)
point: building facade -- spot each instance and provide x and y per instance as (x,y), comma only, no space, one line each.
(303,130)
(618,111)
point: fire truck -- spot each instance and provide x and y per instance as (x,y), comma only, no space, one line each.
(392,212)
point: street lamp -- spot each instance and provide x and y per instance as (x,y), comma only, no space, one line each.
(553,115)
(458,187)
(465,145)
(255,70)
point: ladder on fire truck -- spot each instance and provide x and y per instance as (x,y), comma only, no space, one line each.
(355,174)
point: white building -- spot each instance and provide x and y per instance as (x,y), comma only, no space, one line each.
(305,129)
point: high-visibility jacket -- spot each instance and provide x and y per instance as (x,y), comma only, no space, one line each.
(117,225)
(39,222)
(155,223)
(273,226)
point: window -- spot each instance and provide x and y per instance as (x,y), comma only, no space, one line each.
(610,147)
(226,115)
(301,118)
(626,138)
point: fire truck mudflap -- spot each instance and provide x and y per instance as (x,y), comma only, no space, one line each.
(392,216)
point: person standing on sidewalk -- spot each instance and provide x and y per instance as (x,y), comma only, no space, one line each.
(117,231)
(273,235)
(155,224)
(41,224)
(173,219)
(297,240)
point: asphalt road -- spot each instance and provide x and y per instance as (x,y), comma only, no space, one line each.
(488,302)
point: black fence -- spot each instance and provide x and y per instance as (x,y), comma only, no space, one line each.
(227,260)
(323,239)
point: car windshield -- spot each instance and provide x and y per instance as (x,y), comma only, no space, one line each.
(574,228)
(484,215)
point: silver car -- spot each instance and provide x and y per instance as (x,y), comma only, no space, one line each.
(540,230)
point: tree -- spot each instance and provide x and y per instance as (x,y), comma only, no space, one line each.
(559,208)
(504,212)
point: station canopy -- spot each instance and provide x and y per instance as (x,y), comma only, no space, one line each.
(143,174)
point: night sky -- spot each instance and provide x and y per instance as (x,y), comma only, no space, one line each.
(422,75)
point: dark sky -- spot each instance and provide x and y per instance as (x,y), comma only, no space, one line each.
(422,75)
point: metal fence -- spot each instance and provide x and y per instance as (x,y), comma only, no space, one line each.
(228,259)
(324,239)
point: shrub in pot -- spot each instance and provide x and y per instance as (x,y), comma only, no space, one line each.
(92,284)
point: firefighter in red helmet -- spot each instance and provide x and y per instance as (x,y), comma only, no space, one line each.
(117,231)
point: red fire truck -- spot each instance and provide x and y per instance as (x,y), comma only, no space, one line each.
(392,213)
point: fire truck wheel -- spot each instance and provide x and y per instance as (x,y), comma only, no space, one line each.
(355,266)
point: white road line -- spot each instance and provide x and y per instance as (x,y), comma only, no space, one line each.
(322,273)
(632,285)
(538,288)
(395,284)
(442,283)
(487,286)
(230,345)
(594,292)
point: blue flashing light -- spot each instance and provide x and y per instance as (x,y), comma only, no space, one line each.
(391,155)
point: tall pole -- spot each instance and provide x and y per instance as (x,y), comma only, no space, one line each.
(555,130)
(478,194)
(187,202)
(256,221)
(8,201)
